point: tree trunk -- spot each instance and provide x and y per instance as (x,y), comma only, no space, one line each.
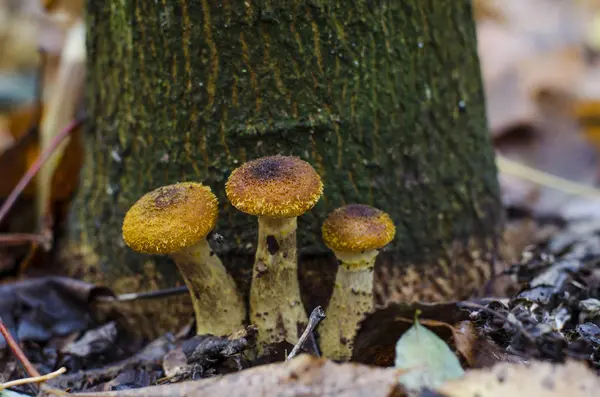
(384,98)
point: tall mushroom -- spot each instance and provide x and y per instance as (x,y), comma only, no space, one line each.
(355,233)
(277,189)
(174,220)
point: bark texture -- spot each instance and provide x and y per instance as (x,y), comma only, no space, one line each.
(383,98)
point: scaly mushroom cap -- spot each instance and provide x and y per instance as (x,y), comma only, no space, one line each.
(274,186)
(170,218)
(357,228)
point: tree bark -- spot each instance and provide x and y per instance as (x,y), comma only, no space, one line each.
(384,98)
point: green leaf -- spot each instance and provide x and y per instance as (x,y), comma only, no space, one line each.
(10,393)
(427,357)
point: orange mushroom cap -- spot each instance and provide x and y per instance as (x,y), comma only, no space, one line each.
(274,186)
(357,228)
(170,218)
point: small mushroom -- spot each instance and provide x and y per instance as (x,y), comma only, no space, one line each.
(277,189)
(355,233)
(174,220)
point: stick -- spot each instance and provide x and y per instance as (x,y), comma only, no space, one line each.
(14,347)
(543,178)
(143,295)
(35,167)
(34,379)
(20,238)
(315,318)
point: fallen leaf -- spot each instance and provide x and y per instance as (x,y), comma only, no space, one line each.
(59,110)
(427,359)
(148,357)
(465,338)
(202,354)
(94,341)
(10,393)
(304,375)
(539,379)
(379,331)
(40,308)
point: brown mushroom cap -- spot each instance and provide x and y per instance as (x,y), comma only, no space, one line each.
(170,218)
(357,228)
(274,186)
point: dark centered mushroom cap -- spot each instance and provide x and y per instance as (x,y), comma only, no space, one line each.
(170,218)
(357,228)
(274,186)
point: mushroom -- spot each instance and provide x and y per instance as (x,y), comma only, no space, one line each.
(277,189)
(355,233)
(174,220)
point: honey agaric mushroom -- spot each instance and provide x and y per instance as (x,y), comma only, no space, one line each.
(355,233)
(277,189)
(174,220)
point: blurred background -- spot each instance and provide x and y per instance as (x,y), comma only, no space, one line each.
(540,63)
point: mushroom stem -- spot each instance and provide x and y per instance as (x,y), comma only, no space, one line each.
(275,303)
(351,300)
(217,303)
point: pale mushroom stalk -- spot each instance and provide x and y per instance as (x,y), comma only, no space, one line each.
(351,300)
(276,189)
(355,233)
(218,306)
(275,290)
(174,220)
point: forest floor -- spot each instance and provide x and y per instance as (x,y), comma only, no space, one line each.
(549,313)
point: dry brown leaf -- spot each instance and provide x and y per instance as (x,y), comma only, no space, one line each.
(18,37)
(60,109)
(555,71)
(487,10)
(22,119)
(17,159)
(465,337)
(500,49)
(302,376)
(539,379)
(587,111)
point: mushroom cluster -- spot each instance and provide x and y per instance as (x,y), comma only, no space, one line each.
(175,220)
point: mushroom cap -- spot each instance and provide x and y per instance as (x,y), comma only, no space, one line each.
(170,218)
(357,228)
(274,186)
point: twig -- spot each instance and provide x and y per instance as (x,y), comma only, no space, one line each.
(143,295)
(315,318)
(34,379)
(35,167)
(21,238)
(14,347)
(542,178)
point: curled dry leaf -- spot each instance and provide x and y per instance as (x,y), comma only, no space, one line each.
(465,337)
(539,379)
(40,308)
